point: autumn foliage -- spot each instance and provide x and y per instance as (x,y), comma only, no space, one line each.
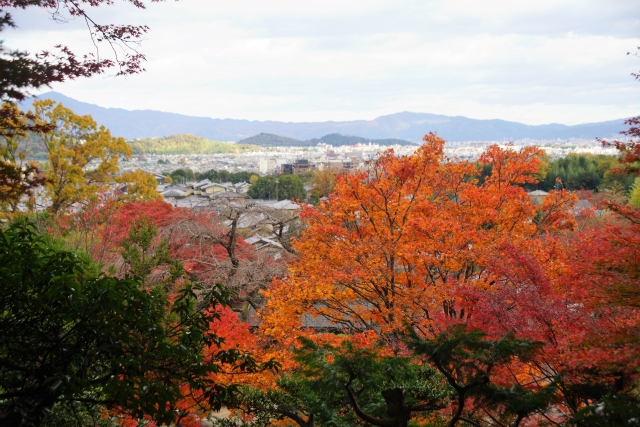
(393,244)
(420,243)
(506,312)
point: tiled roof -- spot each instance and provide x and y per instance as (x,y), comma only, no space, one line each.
(262,242)
(173,193)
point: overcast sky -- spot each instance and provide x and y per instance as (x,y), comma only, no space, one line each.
(542,61)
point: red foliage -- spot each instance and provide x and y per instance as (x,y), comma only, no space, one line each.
(630,150)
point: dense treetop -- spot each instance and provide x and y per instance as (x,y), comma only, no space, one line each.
(271,140)
(73,336)
(582,171)
(186,144)
(281,187)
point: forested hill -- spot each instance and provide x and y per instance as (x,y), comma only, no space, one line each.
(335,139)
(271,140)
(405,125)
(186,144)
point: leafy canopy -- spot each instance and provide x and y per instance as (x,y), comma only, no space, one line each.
(72,337)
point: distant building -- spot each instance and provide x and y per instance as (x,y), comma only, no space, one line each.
(300,167)
(537,196)
(264,244)
(267,165)
(159,177)
(337,166)
(242,187)
(348,165)
(286,169)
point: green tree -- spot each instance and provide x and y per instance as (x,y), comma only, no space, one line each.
(142,252)
(468,361)
(345,385)
(283,187)
(634,195)
(579,171)
(182,175)
(291,187)
(226,176)
(619,410)
(263,188)
(74,337)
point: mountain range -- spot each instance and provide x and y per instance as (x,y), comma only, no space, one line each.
(406,125)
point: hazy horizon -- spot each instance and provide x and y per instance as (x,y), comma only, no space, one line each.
(551,61)
(43,95)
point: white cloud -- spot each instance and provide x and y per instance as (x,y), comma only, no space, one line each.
(536,62)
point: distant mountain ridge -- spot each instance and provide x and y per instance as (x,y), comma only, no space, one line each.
(405,125)
(335,139)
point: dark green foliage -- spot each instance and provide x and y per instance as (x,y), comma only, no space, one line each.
(291,400)
(186,144)
(583,172)
(468,360)
(143,252)
(288,187)
(485,171)
(346,385)
(619,410)
(182,175)
(577,172)
(73,339)
(226,176)
(380,390)
(79,414)
(271,140)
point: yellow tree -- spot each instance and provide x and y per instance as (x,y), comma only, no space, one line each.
(139,185)
(19,177)
(322,183)
(634,194)
(82,156)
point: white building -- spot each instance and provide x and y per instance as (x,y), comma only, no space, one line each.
(267,165)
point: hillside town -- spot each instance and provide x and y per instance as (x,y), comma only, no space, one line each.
(299,160)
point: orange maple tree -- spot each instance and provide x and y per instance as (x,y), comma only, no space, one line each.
(419,241)
(394,243)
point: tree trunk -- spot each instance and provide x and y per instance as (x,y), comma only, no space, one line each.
(244,312)
(396,408)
